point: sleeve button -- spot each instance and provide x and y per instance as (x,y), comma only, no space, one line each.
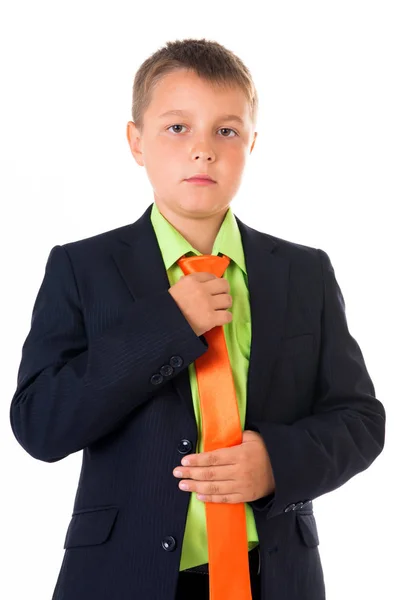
(176,361)
(156,379)
(166,370)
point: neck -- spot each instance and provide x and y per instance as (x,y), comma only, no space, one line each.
(199,230)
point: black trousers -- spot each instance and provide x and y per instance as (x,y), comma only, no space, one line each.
(195,586)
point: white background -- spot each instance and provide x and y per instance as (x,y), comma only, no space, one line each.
(324,172)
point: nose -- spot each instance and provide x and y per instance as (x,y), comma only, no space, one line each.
(205,154)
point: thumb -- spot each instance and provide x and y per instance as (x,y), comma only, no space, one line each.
(250,436)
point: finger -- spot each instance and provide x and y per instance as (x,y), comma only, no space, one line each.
(222,456)
(221,499)
(222,473)
(211,488)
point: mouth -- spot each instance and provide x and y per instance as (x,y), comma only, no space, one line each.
(202,179)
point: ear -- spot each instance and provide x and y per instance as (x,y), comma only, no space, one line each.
(134,141)
(254,141)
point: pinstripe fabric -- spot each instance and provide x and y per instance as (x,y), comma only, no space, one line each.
(104,370)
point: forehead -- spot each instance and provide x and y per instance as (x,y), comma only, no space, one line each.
(185,90)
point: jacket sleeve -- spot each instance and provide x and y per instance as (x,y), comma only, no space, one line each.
(346,430)
(71,393)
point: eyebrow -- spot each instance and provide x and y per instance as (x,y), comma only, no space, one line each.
(183,113)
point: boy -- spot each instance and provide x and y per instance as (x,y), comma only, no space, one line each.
(109,365)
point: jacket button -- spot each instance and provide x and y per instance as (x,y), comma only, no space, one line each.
(176,361)
(185,446)
(307,502)
(166,370)
(156,379)
(298,505)
(169,543)
(290,507)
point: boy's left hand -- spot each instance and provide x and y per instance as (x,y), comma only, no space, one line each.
(240,473)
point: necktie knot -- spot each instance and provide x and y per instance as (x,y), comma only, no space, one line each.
(204,262)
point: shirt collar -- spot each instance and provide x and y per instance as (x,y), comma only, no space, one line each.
(173,245)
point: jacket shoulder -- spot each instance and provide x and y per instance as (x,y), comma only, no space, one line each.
(293,251)
(98,242)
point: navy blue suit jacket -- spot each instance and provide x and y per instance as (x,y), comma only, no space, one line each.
(104,370)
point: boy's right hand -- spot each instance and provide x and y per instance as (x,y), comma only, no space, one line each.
(203,299)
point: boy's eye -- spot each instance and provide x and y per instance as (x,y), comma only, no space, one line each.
(222,129)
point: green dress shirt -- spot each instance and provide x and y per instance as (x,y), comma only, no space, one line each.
(237,334)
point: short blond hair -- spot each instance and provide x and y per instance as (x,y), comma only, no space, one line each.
(208,59)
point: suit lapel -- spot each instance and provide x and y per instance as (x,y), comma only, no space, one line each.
(139,260)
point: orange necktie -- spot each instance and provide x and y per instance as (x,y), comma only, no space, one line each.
(228,558)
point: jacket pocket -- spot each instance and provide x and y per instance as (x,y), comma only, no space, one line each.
(298,344)
(90,526)
(308,529)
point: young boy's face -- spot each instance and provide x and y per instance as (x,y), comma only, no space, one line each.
(201,141)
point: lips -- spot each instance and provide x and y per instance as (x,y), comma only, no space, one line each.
(201,176)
